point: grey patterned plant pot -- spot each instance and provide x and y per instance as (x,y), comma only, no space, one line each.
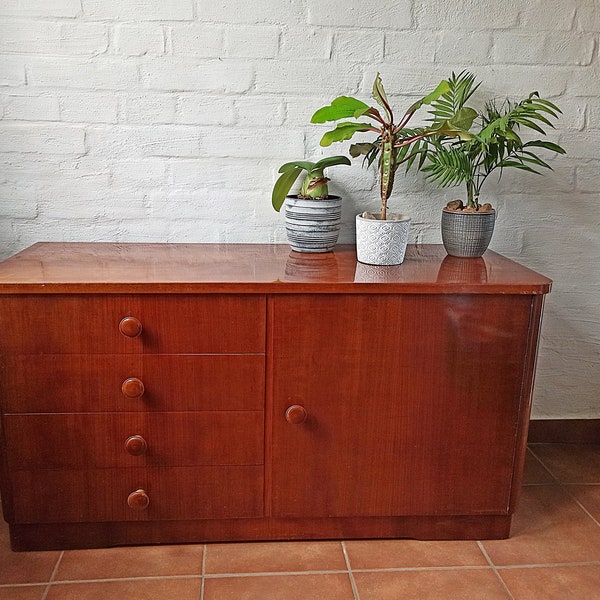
(467,235)
(382,242)
(313,225)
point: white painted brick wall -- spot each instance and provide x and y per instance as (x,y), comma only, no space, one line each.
(156,120)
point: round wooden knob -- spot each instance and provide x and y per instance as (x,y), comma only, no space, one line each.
(296,414)
(136,445)
(130,327)
(138,500)
(133,387)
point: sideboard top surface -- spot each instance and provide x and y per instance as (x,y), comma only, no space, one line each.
(101,267)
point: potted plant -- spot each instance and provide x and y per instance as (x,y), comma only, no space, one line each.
(496,145)
(381,238)
(312,217)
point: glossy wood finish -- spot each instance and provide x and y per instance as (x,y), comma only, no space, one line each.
(50,268)
(160,393)
(97,440)
(408,413)
(89,324)
(211,492)
(93,383)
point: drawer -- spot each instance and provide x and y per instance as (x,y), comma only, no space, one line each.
(177,493)
(93,324)
(108,383)
(106,440)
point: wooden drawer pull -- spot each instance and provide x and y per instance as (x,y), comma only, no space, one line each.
(138,500)
(296,414)
(130,327)
(133,387)
(136,445)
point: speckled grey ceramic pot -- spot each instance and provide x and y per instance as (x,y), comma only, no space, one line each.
(382,242)
(313,225)
(467,235)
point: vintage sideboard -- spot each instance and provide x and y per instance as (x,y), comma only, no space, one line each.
(166,393)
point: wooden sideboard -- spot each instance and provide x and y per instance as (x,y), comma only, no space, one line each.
(165,393)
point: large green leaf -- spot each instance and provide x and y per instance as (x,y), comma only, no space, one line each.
(341,108)
(358,149)
(282,187)
(381,97)
(344,131)
(442,88)
(546,145)
(302,164)
(463,119)
(331,161)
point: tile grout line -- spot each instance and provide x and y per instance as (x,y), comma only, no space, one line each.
(203,571)
(350,573)
(547,469)
(53,575)
(583,508)
(564,486)
(494,569)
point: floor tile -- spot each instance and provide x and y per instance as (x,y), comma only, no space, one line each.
(451,584)
(271,557)
(571,463)
(553,583)
(144,561)
(535,472)
(589,496)
(548,527)
(386,554)
(146,589)
(24,567)
(328,586)
(34,592)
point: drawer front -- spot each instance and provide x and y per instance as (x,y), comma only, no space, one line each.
(94,324)
(106,383)
(178,493)
(107,440)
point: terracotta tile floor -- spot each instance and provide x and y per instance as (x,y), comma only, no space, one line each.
(553,553)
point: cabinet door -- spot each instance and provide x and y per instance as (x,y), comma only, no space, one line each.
(411,402)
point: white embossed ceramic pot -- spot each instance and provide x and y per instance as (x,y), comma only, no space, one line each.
(382,242)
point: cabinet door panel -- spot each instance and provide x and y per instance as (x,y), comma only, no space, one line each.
(102,440)
(94,383)
(90,324)
(412,403)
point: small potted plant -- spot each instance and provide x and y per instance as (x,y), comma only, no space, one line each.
(381,238)
(312,217)
(496,145)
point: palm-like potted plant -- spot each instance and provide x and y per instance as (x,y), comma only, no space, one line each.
(381,238)
(495,145)
(312,217)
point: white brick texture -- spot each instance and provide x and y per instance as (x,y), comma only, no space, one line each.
(166,120)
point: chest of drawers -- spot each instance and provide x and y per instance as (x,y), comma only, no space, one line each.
(178,393)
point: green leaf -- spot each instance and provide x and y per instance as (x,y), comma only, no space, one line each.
(448,130)
(282,187)
(341,108)
(302,164)
(331,161)
(443,87)
(380,97)
(358,149)
(463,119)
(517,165)
(344,131)
(547,145)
